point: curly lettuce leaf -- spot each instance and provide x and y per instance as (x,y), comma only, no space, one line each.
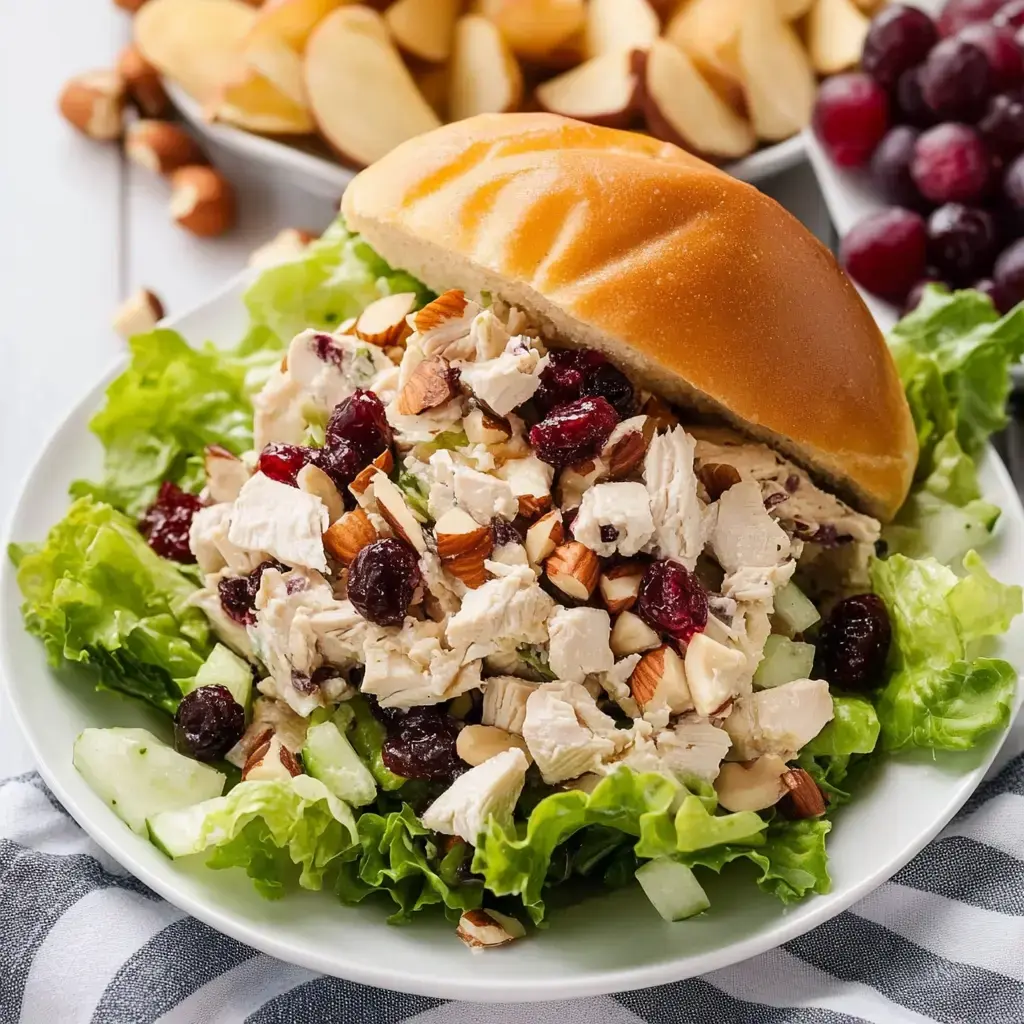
(165,408)
(940,694)
(396,855)
(843,743)
(791,860)
(96,594)
(282,832)
(518,863)
(334,279)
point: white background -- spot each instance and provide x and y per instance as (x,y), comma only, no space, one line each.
(82,228)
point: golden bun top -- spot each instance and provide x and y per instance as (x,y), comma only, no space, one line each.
(700,286)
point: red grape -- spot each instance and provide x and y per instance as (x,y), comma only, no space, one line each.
(1005,59)
(961,242)
(1010,15)
(890,166)
(956,80)
(885,253)
(1002,127)
(1009,274)
(988,287)
(910,105)
(850,117)
(899,38)
(958,13)
(951,164)
(1013,184)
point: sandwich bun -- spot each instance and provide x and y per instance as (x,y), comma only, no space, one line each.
(702,288)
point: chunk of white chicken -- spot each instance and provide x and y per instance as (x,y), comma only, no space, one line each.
(502,614)
(208,541)
(579,643)
(490,790)
(567,734)
(745,535)
(681,521)
(614,517)
(411,666)
(286,523)
(506,381)
(758,583)
(483,496)
(693,748)
(505,700)
(715,675)
(780,720)
(615,683)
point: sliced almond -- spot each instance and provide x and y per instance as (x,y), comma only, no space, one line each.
(681,107)
(631,635)
(620,586)
(160,146)
(544,536)
(777,75)
(835,35)
(313,480)
(463,545)
(803,798)
(753,785)
(483,428)
(601,91)
(423,28)
(271,761)
(143,83)
(617,26)
(383,322)
(485,77)
(574,569)
(362,124)
(226,473)
(486,929)
(534,28)
(348,536)
(717,478)
(430,385)
(94,104)
(360,486)
(449,305)
(138,314)
(626,447)
(478,743)
(659,680)
(396,513)
(197,43)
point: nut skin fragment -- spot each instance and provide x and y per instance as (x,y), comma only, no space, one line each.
(627,452)
(313,480)
(383,322)
(463,546)
(138,314)
(94,104)
(803,798)
(448,305)
(717,478)
(395,512)
(478,743)
(349,535)
(255,759)
(383,463)
(142,80)
(160,146)
(574,569)
(202,201)
(430,385)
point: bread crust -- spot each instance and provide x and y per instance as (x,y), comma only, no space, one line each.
(700,285)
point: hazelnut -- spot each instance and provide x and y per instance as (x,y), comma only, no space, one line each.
(94,104)
(142,80)
(202,201)
(131,6)
(160,147)
(138,314)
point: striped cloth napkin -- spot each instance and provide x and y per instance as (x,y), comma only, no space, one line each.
(82,941)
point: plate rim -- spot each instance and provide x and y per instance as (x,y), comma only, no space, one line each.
(809,915)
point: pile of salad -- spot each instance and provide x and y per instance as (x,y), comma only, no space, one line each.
(440,612)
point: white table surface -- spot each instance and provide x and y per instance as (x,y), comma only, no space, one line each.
(84,228)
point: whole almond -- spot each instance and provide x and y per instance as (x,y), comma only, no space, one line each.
(430,385)
(463,546)
(574,569)
(349,535)
(804,799)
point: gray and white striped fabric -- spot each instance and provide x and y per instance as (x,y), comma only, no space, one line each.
(80,941)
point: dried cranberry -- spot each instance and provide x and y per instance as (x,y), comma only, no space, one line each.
(504,532)
(341,462)
(609,534)
(421,745)
(854,643)
(166,523)
(208,723)
(561,380)
(238,593)
(610,382)
(284,462)
(382,580)
(575,373)
(359,421)
(574,432)
(672,600)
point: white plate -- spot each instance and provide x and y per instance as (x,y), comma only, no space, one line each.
(326,178)
(608,944)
